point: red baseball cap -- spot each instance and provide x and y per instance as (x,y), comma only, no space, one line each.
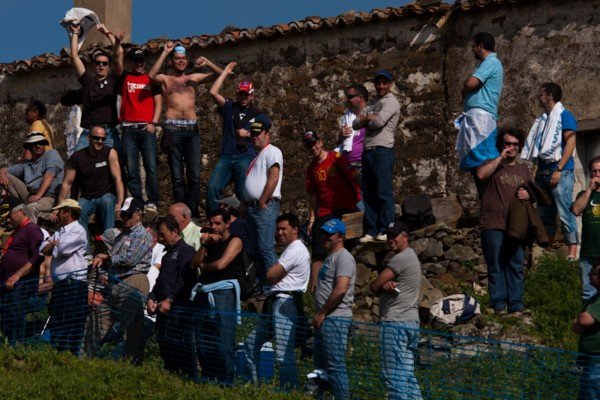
(245,86)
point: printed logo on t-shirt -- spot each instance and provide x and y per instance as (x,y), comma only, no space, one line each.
(595,209)
(132,86)
(511,179)
(100,164)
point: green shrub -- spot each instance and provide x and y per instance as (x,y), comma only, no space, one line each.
(553,292)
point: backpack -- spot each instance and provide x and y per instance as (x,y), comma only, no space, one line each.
(246,276)
(455,309)
(417,211)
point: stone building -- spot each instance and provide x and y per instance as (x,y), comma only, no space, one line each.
(301,69)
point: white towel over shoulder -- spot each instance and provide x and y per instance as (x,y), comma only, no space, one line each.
(545,137)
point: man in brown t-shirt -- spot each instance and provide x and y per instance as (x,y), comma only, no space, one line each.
(503,178)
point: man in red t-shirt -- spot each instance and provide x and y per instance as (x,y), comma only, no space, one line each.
(141,105)
(332,185)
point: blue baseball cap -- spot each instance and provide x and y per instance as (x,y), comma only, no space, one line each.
(385,73)
(258,124)
(334,226)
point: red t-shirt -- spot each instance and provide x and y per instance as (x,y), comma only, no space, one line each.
(137,98)
(333,182)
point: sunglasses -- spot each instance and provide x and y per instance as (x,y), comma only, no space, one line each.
(511,144)
(351,96)
(98,138)
(101,63)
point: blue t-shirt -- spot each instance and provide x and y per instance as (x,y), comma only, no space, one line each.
(230,143)
(569,123)
(491,74)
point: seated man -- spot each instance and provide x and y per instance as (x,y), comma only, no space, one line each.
(96,172)
(35,181)
(129,260)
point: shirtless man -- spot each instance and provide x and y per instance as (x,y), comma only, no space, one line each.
(181,139)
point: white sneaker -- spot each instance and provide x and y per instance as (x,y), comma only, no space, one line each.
(366,239)
(382,237)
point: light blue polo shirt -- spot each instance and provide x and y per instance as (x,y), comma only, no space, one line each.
(491,74)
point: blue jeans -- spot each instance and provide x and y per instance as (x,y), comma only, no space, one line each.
(186,152)
(103,207)
(215,336)
(68,310)
(585,266)
(331,341)
(399,342)
(562,199)
(283,324)
(589,380)
(13,310)
(504,258)
(112,140)
(377,170)
(261,224)
(136,142)
(230,167)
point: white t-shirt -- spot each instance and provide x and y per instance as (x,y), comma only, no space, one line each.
(295,260)
(158,251)
(256,177)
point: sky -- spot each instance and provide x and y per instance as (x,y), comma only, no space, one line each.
(31,27)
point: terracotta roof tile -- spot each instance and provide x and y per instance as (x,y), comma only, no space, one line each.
(311,23)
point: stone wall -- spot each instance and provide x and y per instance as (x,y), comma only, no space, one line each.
(301,77)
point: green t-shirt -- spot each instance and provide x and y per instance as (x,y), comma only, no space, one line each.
(589,340)
(590,232)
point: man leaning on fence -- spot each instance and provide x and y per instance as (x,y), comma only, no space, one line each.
(398,289)
(68,305)
(288,279)
(219,259)
(18,275)
(128,263)
(334,296)
(587,325)
(169,299)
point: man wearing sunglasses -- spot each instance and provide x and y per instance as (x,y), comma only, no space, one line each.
(96,172)
(141,105)
(35,181)
(236,147)
(502,179)
(100,91)
(129,260)
(351,141)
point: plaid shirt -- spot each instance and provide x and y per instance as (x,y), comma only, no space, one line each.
(132,252)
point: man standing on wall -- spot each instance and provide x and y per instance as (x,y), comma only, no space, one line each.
(141,105)
(551,142)
(100,91)
(380,119)
(262,193)
(476,141)
(588,206)
(502,179)
(351,142)
(398,289)
(333,191)
(333,308)
(236,147)
(181,139)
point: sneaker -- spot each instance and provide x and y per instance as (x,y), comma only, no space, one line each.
(382,237)
(366,239)
(500,311)
(571,258)
(150,210)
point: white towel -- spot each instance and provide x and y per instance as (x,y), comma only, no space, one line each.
(346,144)
(545,137)
(83,17)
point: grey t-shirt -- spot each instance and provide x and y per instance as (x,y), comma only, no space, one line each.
(340,263)
(403,306)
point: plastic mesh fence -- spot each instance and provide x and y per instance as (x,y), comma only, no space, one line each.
(206,339)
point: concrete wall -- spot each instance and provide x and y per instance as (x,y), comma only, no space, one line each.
(301,77)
